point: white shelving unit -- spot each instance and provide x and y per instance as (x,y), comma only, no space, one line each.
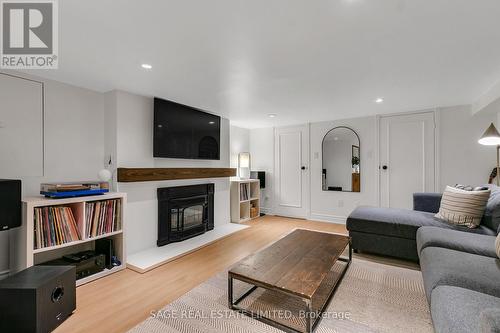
(245,200)
(22,248)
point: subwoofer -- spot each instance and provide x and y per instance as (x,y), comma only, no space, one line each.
(10,204)
(37,299)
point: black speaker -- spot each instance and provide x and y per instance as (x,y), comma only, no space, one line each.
(260,175)
(10,204)
(37,299)
(105,246)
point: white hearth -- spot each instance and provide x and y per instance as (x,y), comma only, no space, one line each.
(153,257)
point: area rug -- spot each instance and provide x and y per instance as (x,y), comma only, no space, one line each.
(372,297)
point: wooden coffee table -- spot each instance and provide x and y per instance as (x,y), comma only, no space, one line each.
(297,265)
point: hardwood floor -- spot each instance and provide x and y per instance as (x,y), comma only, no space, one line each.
(120,301)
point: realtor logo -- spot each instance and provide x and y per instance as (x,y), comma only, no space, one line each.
(29,34)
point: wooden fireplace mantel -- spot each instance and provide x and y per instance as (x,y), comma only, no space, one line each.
(128,175)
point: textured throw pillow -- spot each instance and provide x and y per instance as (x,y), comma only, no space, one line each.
(470,188)
(463,207)
(497,245)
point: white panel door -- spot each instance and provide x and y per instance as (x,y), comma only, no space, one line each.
(21,127)
(407,158)
(292,171)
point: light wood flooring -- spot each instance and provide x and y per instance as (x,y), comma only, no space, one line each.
(120,301)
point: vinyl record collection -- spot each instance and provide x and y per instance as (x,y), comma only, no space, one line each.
(102,217)
(54,225)
(244,192)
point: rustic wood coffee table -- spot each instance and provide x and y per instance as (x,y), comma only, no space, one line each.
(297,265)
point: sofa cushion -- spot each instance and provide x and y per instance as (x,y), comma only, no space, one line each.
(427,202)
(456,240)
(401,223)
(453,268)
(463,207)
(455,309)
(491,217)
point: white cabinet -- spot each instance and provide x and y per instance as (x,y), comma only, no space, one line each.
(245,200)
(24,253)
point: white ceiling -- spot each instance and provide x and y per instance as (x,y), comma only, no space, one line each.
(304,60)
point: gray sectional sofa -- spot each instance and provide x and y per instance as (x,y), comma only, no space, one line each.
(461,274)
(393,232)
(460,268)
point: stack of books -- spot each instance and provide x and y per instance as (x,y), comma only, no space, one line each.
(102,217)
(66,190)
(54,226)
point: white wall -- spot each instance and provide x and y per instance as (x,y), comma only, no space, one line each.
(239,143)
(74,136)
(262,152)
(462,159)
(76,126)
(133,144)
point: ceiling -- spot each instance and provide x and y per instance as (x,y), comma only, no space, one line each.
(301,60)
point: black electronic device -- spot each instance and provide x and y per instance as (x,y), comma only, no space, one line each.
(86,263)
(10,204)
(105,246)
(80,256)
(181,131)
(260,175)
(37,299)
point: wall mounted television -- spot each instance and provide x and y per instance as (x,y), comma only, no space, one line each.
(181,131)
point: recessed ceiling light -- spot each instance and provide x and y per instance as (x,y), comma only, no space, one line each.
(272,115)
(146,66)
(379,100)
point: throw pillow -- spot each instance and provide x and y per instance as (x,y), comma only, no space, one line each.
(470,188)
(497,245)
(462,207)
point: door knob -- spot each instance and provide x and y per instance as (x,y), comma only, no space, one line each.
(384,167)
(303,168)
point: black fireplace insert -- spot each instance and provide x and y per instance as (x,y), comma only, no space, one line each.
(184,212)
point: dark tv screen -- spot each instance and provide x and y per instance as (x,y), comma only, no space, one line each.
(181,131)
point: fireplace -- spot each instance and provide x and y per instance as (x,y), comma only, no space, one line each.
(184,212)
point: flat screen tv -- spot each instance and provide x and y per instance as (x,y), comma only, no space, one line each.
(181,131)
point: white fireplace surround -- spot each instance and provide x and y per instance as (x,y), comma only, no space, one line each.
(129,143)
(142,215)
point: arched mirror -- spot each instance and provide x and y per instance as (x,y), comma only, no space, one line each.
(341,160)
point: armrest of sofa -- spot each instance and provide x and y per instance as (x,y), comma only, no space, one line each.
(427,202)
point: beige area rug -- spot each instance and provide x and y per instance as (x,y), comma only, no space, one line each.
(372,297)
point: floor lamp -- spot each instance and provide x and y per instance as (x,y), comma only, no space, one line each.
(491,137)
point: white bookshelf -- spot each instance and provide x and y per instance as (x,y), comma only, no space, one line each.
(23,253)
(245,195)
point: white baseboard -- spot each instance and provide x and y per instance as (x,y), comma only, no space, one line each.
(328,218)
